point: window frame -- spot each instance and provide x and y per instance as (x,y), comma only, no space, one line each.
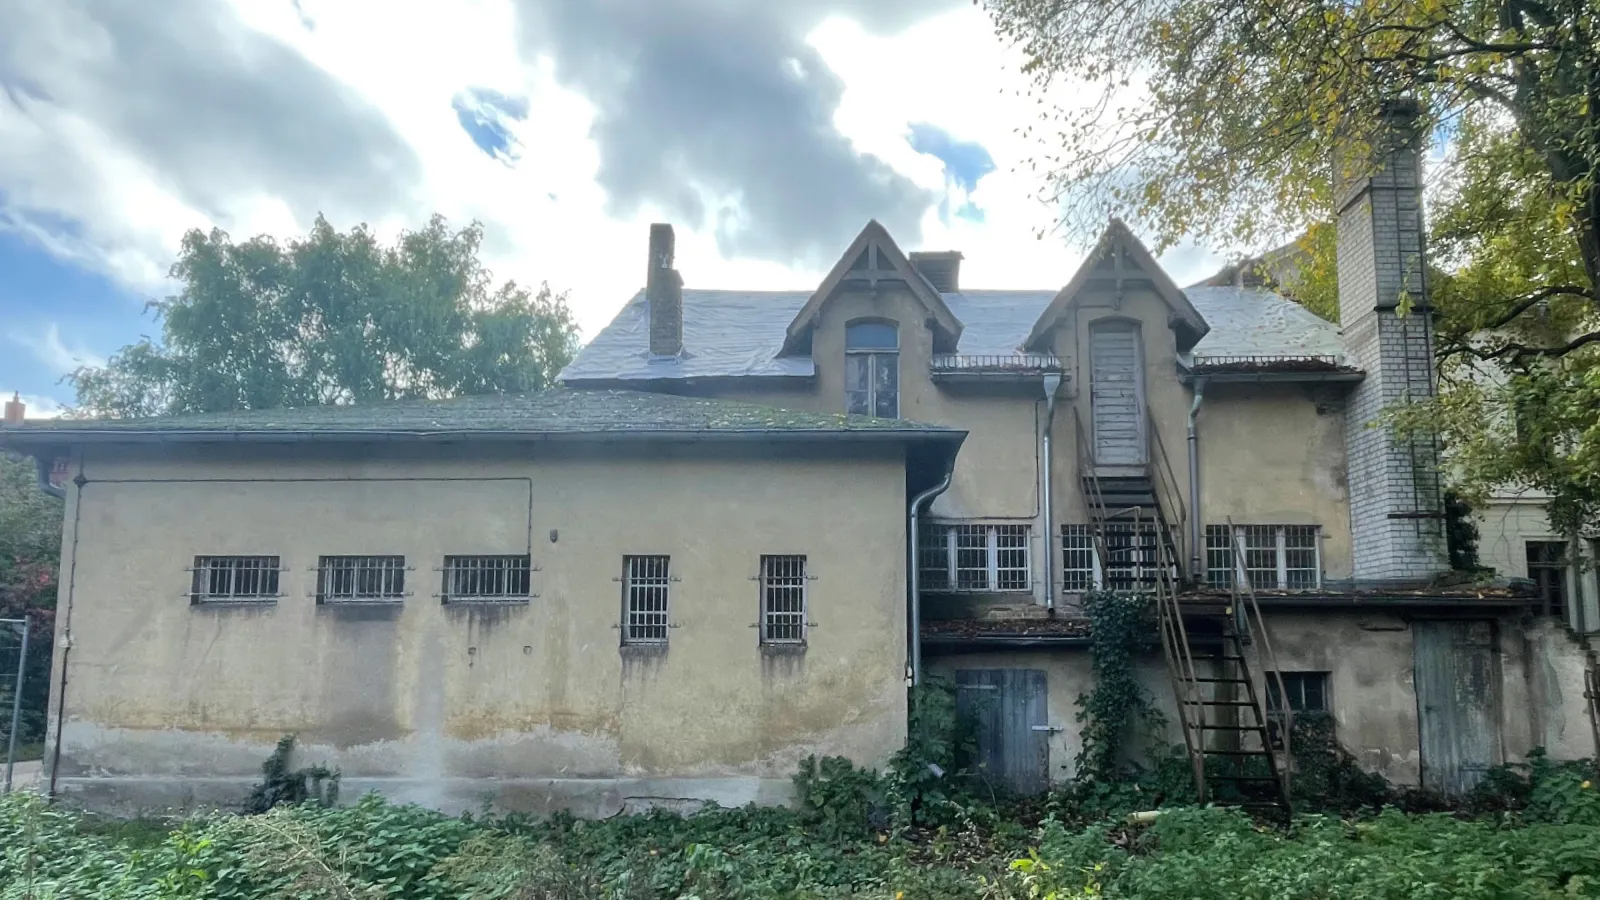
(995,577)
(1555,594)
(1225,564)
(453,566)
(390,570)
(796,578)
(268,567)
(646,586)
(871,357)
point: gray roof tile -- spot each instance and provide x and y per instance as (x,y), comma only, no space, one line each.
(740,333)
(555,412)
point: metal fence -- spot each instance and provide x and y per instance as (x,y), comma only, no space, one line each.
(15,655)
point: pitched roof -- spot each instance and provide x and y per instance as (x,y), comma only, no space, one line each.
(873,256)
(553,414)
(1116,240)
(741,333)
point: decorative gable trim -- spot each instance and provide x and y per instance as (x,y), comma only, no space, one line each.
(1119,259)
(873,258)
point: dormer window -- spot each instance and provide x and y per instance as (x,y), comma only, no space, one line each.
(872,369)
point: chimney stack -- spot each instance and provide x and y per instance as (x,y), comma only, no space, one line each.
(1396,502)
(663,291)
(942,268)
(16,410)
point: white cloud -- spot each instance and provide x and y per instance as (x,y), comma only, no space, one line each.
(53,353)
(84,178)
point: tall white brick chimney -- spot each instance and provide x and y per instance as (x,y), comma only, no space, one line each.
(1396,507)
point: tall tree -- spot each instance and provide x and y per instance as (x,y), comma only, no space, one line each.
(1219,121)
(333,318)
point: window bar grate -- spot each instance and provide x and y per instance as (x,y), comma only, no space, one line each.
(646,589)
(487,579)
(355,579)
(783,599)
(234,579)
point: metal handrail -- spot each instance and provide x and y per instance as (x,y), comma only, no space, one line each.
(1181,671)
(1256,625)
(1165,483)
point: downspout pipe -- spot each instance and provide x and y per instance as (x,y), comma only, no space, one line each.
(913,535)
(1195,533)
(1052,384)
(42,468)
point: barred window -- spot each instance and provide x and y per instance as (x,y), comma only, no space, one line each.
(1131,556)
(783,599)
(223,579)
(487,579)
(1080,565)
(646,587)
(354,578)
(975,557)
(1276,557)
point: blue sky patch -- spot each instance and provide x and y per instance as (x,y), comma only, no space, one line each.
(56,316)
(488,116)
(965,162)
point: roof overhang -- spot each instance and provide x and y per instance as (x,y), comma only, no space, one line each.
(1184,320)
(884,262)
(27,440)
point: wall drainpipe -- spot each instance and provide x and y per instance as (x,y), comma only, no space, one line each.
(42,466)
(1052,383)
(912,536)
(1195,532)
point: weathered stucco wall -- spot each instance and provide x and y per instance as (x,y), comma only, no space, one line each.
(523,705)
(1270,456)
(1067,677)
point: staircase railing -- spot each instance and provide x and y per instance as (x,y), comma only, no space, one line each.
(1181,671)
(1169,498)
(1255,625)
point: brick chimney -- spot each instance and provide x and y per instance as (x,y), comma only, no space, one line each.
(1396,506)
(942,268)
(663,291)
(16,410)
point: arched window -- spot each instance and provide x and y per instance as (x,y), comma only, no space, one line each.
(872,369)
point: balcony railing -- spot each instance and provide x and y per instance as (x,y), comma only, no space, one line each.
(995,364)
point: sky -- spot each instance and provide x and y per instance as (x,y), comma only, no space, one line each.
(767,131)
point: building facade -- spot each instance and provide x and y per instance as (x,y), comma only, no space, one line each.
(749,520)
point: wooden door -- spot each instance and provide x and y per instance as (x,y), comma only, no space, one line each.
(1116,394)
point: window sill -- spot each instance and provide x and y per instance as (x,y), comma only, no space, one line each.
(797,648)
(482,601)
(241,603)
(361,601)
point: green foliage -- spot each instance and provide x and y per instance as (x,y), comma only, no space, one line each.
(842,801)
(333,318)
(1326,776)
(1117,706)
(932,776)
(30,555)
(376,849)
(283,786)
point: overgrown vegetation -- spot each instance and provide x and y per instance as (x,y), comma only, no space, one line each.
(1117,707)
(1533,837)
(284,786)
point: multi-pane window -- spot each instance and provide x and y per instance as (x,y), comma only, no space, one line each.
(1307,691)
(783,599)
(487,579)
(646,588)
(1274,557)
(1547,567)
(1080,565)
(974,557)
(872,369)
(354,578)
(1132,557)
(221,579)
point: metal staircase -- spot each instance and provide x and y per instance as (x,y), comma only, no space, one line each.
(1238,751)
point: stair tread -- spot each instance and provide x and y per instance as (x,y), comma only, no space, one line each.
(1218,680)
(1218,703)
(1205,727)
(1235,752)
(1244,779)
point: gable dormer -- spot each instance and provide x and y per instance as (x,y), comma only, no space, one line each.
(872,262)
(1118,265)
